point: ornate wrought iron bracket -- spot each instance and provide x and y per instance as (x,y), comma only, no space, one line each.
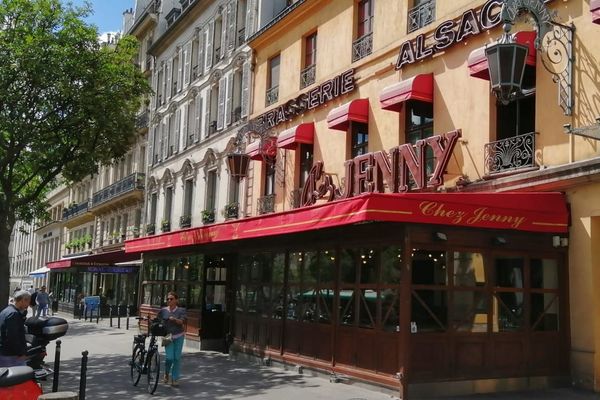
(591,131)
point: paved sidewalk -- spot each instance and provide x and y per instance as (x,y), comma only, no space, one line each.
(211,375)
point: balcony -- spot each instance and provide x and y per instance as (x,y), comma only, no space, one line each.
(208,216)
(231,211)
(150,229)
(142,120)
(512,154)
(308,76)
(241,36)
(295,198)
(266,204)
(129,189)
(165,225)
(272,95)
(362,47)
(77,214)
(421,15)
(185,221)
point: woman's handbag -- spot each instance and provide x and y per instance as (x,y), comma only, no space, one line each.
(167,340)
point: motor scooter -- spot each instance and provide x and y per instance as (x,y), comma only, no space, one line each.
(23,383)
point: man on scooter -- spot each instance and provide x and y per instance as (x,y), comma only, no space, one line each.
(13,348)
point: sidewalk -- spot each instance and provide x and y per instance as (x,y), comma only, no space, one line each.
(211,375)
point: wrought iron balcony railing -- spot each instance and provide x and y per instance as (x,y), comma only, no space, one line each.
(421,15)
(272,95)
(362,47)
(266,204)
(241,36)
(308,76)
(75,210)
(185,221)
(142,120)
(232,211)
(510,154)
(150,229)
(133,182)
(295,197)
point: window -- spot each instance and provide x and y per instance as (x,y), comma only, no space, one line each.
(419,125)
(153,205)
(422,14)
(182,274)
(269,182)
(360,139)
(272,94)
(518,117)
(211,190)
(363,45)
(306,162)
(168,204)
(308,74)
(188,193)
(237,96)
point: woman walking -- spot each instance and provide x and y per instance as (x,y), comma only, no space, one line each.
(175,318)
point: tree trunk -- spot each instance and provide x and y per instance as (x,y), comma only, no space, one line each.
(5,231)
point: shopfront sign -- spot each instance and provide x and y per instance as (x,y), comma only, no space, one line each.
(325,92)
(381,171)
(112,270)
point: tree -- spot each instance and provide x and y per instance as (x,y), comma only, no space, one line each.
(67,105)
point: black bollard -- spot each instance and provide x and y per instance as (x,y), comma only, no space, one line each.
(127,324)
(98,313)
(83,374)
(110,314)
(119,316)
(56,367)
(80,311)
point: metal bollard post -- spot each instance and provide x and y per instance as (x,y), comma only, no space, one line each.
(56,367)
(119,316)
(80,311)
(98,313)
(82,376)
(110,314)
(127,324)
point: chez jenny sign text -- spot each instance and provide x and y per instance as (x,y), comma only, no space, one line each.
(374,172)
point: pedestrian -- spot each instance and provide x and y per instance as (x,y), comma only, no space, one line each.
(31,289)
(42,299)
(175,319)
(13,347)
(33,302)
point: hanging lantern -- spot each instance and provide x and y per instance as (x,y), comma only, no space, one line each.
(238,164)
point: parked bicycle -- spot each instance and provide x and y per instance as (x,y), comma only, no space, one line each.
(147,361)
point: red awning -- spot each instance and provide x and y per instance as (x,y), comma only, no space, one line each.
(356,110)
(290,138)
(478,64)
(534,212)
(419,87)
(269,149)
(91,260)
(595,10)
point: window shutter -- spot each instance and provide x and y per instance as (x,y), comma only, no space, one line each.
(169,75)
(187,65)
(163,86)
(200,68)
(155,89)
(176,131)
(179,70)
(221,109)
(198,124)
(209,45)
(250,18)
(184,125)
(207,120)
(229,99)
(151,144)
(231,24)
(165,137)
(246,89)
(224,25)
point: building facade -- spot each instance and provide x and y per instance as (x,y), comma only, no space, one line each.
(404,226)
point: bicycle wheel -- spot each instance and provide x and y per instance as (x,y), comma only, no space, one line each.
(137,365)
(153,371)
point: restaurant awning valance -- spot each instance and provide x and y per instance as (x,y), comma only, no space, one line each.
(91,260)
(478,64)
(595,10)
(40,272)
(290,138)
(533,212)
(356,110)
(258,152)
(419,87)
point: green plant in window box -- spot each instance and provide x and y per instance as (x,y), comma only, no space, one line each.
(165,225)
(185,221)
(231,211)
(150,229)
(208,216)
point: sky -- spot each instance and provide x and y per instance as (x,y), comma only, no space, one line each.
(108,14)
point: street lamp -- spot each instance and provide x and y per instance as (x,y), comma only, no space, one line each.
(506,62)
(238,164)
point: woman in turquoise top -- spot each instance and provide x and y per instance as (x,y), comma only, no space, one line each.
(174,318)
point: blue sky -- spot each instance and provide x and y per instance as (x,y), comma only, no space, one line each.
(108,14)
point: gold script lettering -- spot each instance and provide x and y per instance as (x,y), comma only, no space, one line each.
(435,209)
(482,214)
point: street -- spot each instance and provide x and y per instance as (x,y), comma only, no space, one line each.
(211,375)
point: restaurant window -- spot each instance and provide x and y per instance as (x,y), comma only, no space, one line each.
(363,45)
(308,74)
(419,125)
(469,300)
(359,143)
(518,117)
(306,162)
(272,94)
(509,294)
(429,304)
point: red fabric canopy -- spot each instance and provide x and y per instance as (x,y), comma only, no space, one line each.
(108,258)
(478,64)
(290,138)
(269,149)
(419,87)
(595,10)
(535,212)
(356,110)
